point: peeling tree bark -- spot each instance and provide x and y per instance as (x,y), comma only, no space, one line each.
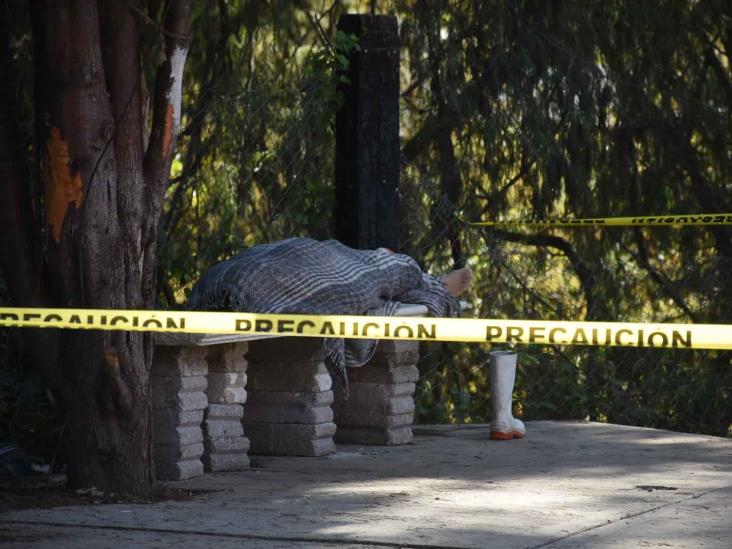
(103,197)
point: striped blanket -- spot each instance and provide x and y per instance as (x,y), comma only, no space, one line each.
(300,275)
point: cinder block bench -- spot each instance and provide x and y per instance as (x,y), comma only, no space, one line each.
(198,391)
(217,398)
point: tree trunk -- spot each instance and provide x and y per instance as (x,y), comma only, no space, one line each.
(103,199)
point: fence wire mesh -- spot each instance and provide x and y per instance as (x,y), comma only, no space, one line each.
(560,275)
(258,165)
(255,163)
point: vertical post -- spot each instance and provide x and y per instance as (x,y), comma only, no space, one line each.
(367,136)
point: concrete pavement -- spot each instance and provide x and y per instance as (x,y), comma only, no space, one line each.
(568,484)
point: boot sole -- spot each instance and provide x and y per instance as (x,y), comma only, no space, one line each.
(502,435)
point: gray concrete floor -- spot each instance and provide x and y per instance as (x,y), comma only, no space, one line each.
(568,484)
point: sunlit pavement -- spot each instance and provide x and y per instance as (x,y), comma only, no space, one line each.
(567,484)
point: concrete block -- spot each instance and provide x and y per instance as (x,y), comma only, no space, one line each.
(395,360)
(288,398)
(232,395)
(225,462)
(166,420)
(319,447)
(313,431)
(356,418)
(180,383)
(284,413)
(400,405)
(181,436)
(171,453)
(289,349)
(375,397)
(180,361)
(224,411)
(225,379)
(291,440)
(288,376)
(166,388)
(397,346)
(180,470)
(380,373)
(192,401)
(229,357)
(227,388)
(363,403)
(382,390)
(227,445)
(393,354)
(218,381)
(219,428)
(183,402)
(374,435)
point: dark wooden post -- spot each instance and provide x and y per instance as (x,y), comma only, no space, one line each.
(367,136)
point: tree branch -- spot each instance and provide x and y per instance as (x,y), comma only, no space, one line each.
(585,274)
(450,181)
(708,198)
(420,140)
(662,280)
(197,148)
(167,105)
(150,22)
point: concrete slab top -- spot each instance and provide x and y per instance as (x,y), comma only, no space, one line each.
(567,484)
(202,340)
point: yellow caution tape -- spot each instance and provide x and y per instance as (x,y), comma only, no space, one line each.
(479,330)
(636,221)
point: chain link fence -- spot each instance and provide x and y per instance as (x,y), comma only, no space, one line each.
(261,169)
(256,164)
(577,274)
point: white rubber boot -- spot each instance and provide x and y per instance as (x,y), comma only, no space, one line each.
(503,375)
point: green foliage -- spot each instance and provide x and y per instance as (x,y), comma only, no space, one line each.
(558,109)
(257,150)
(550,109)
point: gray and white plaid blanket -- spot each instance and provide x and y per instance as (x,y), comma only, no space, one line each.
(300,275)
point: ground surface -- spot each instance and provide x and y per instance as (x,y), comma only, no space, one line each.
(566,485)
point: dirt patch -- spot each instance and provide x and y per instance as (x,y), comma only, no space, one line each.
(40,493)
